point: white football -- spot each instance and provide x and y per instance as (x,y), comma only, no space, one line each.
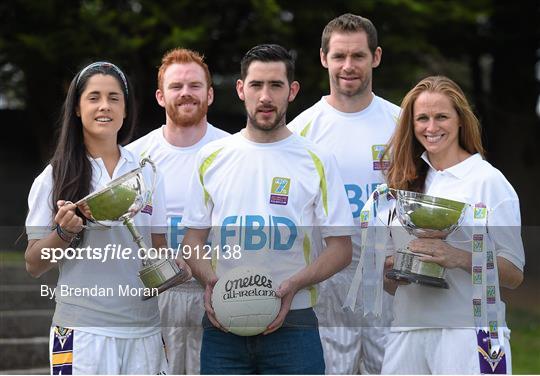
(244,300)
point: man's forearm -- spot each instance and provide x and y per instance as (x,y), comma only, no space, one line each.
(336,256)
(200,267)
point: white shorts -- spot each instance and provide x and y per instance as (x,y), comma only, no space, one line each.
(351,343)
(436,351)
(182,309)
(76,352)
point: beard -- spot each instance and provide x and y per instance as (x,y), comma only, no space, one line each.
(181,119)
(352,92)
(267,126)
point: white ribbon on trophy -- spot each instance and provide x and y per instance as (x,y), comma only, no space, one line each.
(374,236)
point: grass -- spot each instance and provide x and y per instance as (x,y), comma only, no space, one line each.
(525,340)
(11,257)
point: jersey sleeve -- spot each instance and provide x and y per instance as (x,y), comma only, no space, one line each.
(504,228)
(198,211)
(332,210)
(39,220)
(139,147)
(504,218)
(301,124)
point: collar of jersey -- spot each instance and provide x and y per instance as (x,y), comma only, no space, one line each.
(124,154)
(195,146)
(459,170)
(364,112)
(286,140)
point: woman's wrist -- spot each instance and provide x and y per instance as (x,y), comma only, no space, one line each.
(66,235)
(464,259)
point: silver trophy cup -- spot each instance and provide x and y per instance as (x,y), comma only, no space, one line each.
(120,201)
(423,216)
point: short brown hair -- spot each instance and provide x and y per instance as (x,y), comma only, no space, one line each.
(350,23)
(182,56)
(268,53)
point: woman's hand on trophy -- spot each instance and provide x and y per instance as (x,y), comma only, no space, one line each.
(67,219)
(440,252)
(390,285)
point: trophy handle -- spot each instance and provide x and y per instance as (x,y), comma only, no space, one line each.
(393,193)
(142,163)
(83,208)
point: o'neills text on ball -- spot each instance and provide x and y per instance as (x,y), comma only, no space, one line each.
(248,286)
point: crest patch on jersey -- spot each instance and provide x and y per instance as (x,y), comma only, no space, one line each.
(279,192)
(376,154)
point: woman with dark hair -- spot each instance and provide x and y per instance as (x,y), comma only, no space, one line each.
(437,150)
(101,325)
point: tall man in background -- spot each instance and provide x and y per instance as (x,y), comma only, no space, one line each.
(185,92)
(355,125)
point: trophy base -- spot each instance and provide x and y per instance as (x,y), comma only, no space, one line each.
(399,275)
(162,274)
(167,285)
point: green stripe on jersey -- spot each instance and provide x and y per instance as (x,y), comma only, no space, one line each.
(313,295)
(306,129)
(307,258)
(320,169)
(307,249)
(202,170)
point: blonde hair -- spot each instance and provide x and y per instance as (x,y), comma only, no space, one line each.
(407,170)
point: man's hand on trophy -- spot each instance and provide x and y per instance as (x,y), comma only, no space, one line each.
(70,224)
(440,252)
(186,274)
(391,285)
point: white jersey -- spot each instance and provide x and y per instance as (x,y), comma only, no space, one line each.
(352,343)
(181,330)
(105,303)
(175,164)
(264,200)
(357,140)
(472,181)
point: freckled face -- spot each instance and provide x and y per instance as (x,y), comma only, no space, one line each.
(185,94)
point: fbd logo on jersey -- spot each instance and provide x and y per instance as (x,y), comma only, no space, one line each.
(279,192)
(256,232)
(377,152)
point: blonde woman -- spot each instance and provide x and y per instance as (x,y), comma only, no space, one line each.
(437,149)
